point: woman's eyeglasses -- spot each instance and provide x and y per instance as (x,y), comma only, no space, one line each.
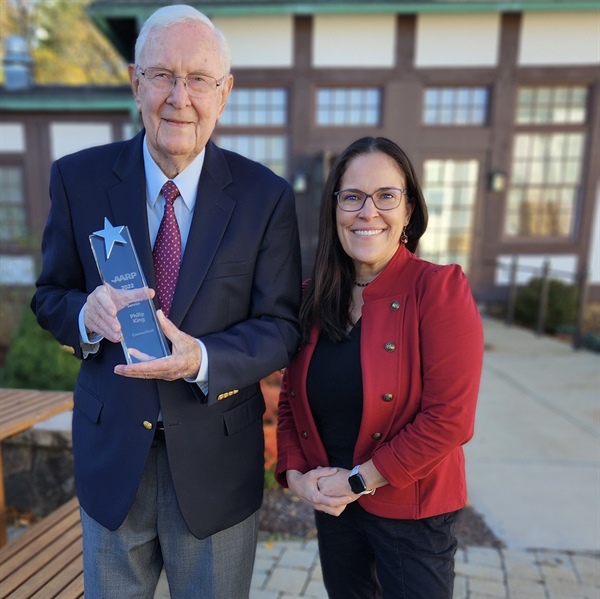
(386,198)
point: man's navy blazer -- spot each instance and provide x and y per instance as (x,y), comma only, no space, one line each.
(238,290)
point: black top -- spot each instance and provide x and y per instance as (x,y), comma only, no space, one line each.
(334,388)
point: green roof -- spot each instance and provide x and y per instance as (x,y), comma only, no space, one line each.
(69,98)
(244,7)
(120,20)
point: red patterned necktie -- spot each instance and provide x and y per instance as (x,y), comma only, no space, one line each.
(167,250)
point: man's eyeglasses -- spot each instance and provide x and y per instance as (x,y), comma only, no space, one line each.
(164,81)
(386,198)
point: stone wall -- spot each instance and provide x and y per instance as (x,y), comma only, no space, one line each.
(38,470)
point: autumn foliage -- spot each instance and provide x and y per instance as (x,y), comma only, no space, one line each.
(270,387)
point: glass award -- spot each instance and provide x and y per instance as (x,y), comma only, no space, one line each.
(124,279)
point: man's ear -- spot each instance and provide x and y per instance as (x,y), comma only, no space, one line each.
(134,81)
(227,86)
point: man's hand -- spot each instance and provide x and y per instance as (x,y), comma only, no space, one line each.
(184,362)
(102,305)
(100,315)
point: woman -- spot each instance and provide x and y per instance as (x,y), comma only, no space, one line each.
(375,407)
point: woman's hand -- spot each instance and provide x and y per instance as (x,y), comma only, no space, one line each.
(337,484)
(307,488)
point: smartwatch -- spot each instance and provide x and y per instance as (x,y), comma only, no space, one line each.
(357,483)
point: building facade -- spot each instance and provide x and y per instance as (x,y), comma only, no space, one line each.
(496,103)
(37,126)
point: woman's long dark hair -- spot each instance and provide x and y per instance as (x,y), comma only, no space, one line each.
(326,301)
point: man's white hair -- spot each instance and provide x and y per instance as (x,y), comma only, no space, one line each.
(173,15)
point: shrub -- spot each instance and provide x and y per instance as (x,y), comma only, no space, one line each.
(270,387)
(561,307)
(13,302)
(35,360)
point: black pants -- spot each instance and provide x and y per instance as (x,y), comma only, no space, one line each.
(364,556)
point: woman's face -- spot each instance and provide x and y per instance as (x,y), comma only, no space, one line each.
(371,236)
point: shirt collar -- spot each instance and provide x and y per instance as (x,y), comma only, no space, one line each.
(186,180)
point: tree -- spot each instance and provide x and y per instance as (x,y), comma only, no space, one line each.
(65,46)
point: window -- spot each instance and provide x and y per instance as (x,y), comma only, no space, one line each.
(546,173)
(450,188)
(547,161)
(455,106)
(13,221)
(268,149)
(551,105)
(256,108)
(348,107)
(265,111)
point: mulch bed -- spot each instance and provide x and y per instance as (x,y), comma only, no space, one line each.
(285,516)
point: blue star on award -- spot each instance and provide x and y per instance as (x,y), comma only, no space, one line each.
(122,275)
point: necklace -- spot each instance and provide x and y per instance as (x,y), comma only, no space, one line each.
(361,284)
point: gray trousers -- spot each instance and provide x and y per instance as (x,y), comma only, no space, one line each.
(127,563)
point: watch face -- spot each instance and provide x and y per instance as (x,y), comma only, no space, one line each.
(357,484)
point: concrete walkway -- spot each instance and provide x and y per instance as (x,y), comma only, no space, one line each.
(533,473)
(533,465)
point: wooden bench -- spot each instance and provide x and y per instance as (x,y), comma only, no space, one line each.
(46,561)
(20,409)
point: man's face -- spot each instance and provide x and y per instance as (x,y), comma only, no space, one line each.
(178,126)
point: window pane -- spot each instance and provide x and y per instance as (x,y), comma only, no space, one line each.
(547,105)
(13,222)
(546,173)
(572,172)
(455,106)
(270,150)
(479,96)
(544,95)
(463,96)
(526,95)
(429,118)
(462,116)
(445,116)
(447,97)
(449,188)
(255,108)
(524,114)
(431,96)
(348,106)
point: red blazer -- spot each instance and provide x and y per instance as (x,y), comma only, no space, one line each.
(421,357)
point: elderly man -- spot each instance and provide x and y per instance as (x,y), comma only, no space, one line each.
(169,453)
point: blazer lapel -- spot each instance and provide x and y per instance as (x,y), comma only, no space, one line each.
(128,202)
(212,214)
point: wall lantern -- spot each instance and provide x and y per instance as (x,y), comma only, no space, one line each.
(497,181)
(300,183)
